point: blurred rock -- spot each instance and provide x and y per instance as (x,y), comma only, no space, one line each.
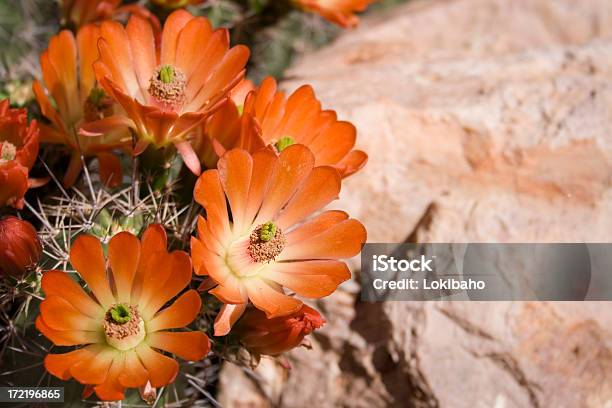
(485,121)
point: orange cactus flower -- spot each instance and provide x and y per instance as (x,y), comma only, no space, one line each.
(20,248)
(173,4)
(263,336)
(167,92)
(120,322)
(299,119)
(340,12)
(18,152)
(68,75)
(271,119)
(270,243)
(77,13)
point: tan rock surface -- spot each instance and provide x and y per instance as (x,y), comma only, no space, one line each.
(485,121)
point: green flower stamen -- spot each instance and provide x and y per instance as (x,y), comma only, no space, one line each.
(266,242)
(267,231)
(97,105)
(166,74)
(124,329)
(168,85)
(96,96)
(120,314)
(284,142)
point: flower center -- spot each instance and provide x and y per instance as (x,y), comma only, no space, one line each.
(8,151)
(123,327)
(97,105)
(167,86)
(283,143)
(267,241)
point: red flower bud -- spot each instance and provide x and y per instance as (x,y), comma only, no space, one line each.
(261,335)
(20,248)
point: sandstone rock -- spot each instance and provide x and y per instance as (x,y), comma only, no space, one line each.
(485,121)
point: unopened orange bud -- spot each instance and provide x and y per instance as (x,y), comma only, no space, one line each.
(20,248)
(148,393)
(261,335)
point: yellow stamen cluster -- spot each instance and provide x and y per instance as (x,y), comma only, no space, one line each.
(8,151)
